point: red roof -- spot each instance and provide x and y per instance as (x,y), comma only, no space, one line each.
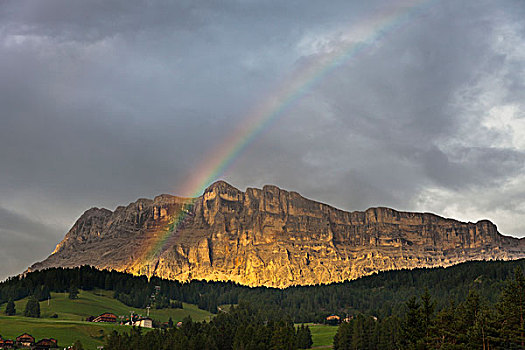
(106,317)
(46,342)
(25,337)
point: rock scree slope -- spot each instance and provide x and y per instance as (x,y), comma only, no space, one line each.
(270,237)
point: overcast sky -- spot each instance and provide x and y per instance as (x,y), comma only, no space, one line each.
(103,102)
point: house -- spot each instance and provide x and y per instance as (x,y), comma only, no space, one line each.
(106,317)
(145,322)
(333,319)
(25,339)
(45,344)
(7,343)
(347,319)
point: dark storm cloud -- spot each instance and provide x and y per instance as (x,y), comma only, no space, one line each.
(21,238)
(103,102)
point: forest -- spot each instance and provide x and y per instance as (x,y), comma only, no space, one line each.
(380,295)
(474,323)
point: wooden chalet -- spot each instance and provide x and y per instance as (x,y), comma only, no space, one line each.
(106,317)
(26,340)
(333,319)
(7,344)
(45,344)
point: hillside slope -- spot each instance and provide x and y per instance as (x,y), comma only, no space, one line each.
(270,237)
(69,325)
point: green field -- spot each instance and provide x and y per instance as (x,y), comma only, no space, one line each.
(322,335)
(69,325)
(66,332)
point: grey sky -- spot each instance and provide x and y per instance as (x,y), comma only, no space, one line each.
(103,102)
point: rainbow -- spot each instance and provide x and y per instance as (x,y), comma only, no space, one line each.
(370,32)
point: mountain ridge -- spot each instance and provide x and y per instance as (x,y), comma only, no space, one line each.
(270,237)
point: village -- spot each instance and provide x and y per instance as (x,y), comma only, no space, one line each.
(27,341)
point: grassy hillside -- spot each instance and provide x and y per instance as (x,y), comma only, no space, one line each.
(69,326)
(93,303)
(66,332)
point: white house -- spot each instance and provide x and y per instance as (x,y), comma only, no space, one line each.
(145,322)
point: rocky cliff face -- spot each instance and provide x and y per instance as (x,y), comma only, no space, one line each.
(270,237)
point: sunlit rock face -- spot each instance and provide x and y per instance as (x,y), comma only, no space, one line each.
(270,237)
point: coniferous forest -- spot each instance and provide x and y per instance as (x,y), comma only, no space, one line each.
(474,323)
(474,305)
(242,327)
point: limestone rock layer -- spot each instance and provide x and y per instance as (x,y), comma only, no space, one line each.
(270,237)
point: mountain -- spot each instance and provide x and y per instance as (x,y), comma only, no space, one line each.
(270,237)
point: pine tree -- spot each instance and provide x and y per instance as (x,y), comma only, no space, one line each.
(511,308)
(304,337)
(427,309)
(343,337)
(357,333)
(44,293)
(445,326)
(32,307)
(108,284)
(10,308)
(467,315)
(283,337)
(484,332)
(73,292)
(412,331)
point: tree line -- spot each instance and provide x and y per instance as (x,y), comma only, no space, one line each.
(379,295)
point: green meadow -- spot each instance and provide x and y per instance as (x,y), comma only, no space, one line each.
(69,326)
(322,335)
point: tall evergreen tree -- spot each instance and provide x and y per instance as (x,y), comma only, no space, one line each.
(427,310)
(343,337)
(304,337)
(283,337)
(10,308)
(412,331)
(445,327)
(511,308)
(32,307)
(73,292)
